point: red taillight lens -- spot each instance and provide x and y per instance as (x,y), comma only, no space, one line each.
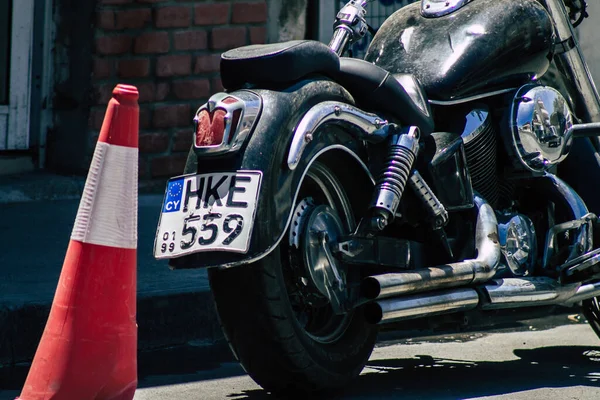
(210,128)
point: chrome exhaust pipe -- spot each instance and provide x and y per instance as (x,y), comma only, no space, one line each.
(460,273)
(540,291)
(396,309)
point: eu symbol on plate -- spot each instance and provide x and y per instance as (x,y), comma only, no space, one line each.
(173,197)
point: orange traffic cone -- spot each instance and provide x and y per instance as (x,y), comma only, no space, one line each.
(89,347)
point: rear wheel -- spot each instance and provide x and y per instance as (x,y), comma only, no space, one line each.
(279,324)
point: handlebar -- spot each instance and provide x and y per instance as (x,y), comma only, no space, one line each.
(350,25)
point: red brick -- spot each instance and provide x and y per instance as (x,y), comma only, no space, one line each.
(96,118)
(103,93)
(207,63)
(143,170)
(147,92)
(191,89)
(102,68)
(172,116)
(182,140)
(227,38)
(258,34)
(162,91)
(244,13)
(168,165)
(153,142)
(107,45)
(211,14)
(174,65)
(190,40)
(105,19)
(152,42)
(133,19)
(145,117)
(173,17)
(134,68)
(216,85)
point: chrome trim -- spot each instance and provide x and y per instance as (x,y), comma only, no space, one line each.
(541,127)
(460,273)
(250,105)
(439,8)
(336,112)
(471,98)
(392,310)
(285,230)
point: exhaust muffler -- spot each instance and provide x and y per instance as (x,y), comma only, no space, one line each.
(460,273)
(423,305)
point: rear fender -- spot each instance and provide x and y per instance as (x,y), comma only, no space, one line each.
(267,150)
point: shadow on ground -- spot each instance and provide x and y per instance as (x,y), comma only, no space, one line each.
(433,378)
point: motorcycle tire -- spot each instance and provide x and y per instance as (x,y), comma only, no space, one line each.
(257,305)
(591,311)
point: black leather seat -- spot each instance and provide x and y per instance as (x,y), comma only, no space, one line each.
(276,63)
(372,87)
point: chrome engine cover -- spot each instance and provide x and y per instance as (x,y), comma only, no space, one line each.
(541,123)
(518,243)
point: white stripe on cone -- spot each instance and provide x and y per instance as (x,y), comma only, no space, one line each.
(107,214)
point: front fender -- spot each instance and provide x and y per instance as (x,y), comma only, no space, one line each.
(267,150)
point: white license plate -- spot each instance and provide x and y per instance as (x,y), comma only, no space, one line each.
(207,212)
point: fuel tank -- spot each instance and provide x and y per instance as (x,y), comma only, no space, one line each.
(484,46)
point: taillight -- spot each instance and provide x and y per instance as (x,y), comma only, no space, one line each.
(225,121)
(210,128)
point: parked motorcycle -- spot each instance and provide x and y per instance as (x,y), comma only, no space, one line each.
(427,184)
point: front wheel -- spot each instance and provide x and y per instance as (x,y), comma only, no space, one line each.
(280,326)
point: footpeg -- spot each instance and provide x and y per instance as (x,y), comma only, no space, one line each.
(582,268)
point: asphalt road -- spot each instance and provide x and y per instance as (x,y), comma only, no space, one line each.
(558,363)
(526,361)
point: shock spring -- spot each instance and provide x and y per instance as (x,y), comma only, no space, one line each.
(392,180)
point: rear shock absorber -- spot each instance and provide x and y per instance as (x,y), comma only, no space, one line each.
(392,180)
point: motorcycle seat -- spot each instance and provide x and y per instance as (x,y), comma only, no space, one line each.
(372,87)
(276,63)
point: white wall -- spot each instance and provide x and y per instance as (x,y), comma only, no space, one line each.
(589,37)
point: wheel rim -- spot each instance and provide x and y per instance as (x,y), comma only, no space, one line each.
(312,309)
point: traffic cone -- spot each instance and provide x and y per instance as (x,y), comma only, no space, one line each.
(89,347)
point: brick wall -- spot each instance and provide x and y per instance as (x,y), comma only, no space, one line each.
(170,50)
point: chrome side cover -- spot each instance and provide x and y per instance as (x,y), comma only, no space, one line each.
(369,126)
(438,8)
(541,126)
(242,109)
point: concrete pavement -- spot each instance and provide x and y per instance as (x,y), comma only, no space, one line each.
(37,213)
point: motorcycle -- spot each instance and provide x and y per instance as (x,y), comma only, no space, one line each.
(427,184)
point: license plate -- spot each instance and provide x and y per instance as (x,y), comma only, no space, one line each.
(207,212)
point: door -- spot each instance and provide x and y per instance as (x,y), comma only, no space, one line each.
(16,34)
